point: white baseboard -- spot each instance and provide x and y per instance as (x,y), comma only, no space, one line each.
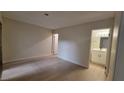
(25,59)
(38,57)
(73,62)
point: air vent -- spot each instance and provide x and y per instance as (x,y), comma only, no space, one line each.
(46,14)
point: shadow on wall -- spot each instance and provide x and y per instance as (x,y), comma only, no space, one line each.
(72,49)
(22,40)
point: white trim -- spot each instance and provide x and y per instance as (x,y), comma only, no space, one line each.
(26,59)
(73,62)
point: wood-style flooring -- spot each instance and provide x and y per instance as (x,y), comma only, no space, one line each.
(51,69)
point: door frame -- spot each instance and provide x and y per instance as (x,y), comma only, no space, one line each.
(108,54)
(114,45)
(1,61)
(53,42)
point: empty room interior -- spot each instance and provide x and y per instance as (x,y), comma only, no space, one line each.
(58,45)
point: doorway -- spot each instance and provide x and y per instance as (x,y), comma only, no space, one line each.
(101,47)
(55,44)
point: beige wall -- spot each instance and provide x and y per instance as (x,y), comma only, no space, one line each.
(22,40)
(74,42)
(0,17)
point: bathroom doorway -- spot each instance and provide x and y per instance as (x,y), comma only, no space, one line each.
(101,47)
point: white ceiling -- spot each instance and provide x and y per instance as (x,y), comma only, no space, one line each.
(57,19)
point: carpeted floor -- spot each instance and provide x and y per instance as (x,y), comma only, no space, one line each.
(51,68)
